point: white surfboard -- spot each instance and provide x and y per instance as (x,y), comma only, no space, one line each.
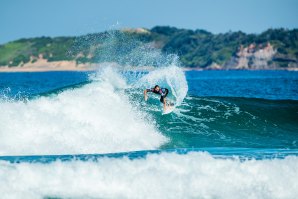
(170,108)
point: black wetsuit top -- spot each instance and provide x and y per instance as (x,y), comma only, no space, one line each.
(162,91)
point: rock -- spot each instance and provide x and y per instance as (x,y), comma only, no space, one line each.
(214,66)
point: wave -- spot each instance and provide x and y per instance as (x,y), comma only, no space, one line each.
(90,117)
(163,175)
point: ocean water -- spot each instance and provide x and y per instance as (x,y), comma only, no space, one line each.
(233,134)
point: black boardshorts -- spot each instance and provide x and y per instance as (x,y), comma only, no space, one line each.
(163,97)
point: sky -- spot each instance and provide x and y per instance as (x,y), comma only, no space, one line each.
(32,18)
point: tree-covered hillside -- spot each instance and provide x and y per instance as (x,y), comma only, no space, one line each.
(195,48)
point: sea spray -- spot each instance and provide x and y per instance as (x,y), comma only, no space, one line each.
(128,49)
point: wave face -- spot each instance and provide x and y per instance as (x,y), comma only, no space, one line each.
(95,118)
(232,122)
(165,175)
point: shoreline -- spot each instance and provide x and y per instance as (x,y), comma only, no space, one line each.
(32,70)
(140,69)
(43,65)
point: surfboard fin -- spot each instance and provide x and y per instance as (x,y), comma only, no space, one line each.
(170,104)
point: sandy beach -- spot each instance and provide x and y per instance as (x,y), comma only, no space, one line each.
(42,65)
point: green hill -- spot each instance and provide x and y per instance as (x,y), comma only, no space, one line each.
(195,48)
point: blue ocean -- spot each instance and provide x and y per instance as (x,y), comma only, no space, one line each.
(232,134)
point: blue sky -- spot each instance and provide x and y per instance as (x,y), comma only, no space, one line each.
(31,18)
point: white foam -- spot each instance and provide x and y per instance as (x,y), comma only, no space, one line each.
(93,119)
(195,175)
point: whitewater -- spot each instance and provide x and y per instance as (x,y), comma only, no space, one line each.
(167,175)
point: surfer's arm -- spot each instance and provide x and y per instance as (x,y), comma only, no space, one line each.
(145,93)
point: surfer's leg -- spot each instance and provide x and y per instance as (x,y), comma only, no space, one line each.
(164,104)
(163,100)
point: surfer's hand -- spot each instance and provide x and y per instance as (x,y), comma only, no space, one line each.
(145,97)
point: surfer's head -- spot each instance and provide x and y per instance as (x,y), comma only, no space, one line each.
(156,88)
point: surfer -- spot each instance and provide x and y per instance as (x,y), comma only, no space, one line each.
(160,91)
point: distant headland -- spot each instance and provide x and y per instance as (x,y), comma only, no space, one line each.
(272,49)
